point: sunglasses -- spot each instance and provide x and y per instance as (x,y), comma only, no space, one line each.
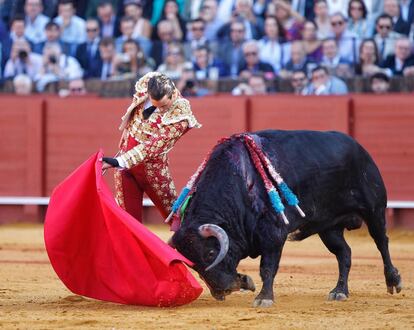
(92,30)
(250,54)
(298,79)
(197,28)
(337,23)
(237,30)
(356,8)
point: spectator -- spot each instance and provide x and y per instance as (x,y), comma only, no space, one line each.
(385,37)
(107,53)
(291,21)
(142,26)
(87,53)
(17,28)
(347,41)
(230,52)
(174,62)
(196,39)
(322,19)
(304,8)
(271,47)
(206,66)
(35,21)
(368,59)
(52,31)
(358,22)
(332,60)
(254,85)
(298,60)
(374,8)
(22,61)
(22,84)
(165,33)
(56,66)
(192,10)
(189,85)
(392,8)
(131,63)
(252,63)
(73,27)
(379,83)
(170,14)
(336,6)
(77,87)
(299,82)
(209,15)
(407,10)
(127,30)
(313,46)
(324,84)
(108,21)
(403,61)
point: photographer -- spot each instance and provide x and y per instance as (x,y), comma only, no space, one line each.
(56,66)
(188,84)
(22,61)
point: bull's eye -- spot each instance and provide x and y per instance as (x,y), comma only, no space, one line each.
(210,255)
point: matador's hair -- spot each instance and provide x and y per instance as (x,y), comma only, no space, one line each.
(159,86)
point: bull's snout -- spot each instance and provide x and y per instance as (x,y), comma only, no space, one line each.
(242,282)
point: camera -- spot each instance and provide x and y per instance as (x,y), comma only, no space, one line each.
(53,59)
(22,55)
(189,84)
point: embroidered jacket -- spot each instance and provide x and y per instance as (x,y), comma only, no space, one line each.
(156,135)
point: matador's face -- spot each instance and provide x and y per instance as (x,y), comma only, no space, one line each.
(164,104)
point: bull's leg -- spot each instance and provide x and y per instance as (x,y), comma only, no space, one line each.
(269,265)
(376,228)
(335,242)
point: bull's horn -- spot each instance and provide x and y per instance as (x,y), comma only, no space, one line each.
(208,230)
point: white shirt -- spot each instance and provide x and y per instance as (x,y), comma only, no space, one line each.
(274,53)
(31,68)
(335,6)
(35,30)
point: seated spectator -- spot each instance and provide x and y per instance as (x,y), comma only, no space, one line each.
(313,46)
(322,19)
(35,21)
(379,83)
(324,84)
(87,53)
(77,87)
(347,41)
(385,37)
(52,31)
(197,39)
(209,15)
(368,59)
(174,62)
(142,26)
(255,85)
(271,47)
(206,66)
(131,63)
(392,8)
(170,13)
(243,12)
(335,6)
(298,61)
(230,52)
(189,85)
(165,32)
(402,63)
(108,21)
(22,61)
(291,21)
(56,66)
(22,84)
(17,28)
(358,22)
(73,28)
(332,60)
(299,82)
(127,29)
(252,63)
(107,53)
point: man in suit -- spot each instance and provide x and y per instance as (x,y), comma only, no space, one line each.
(88,52)
(392,8)
(52,31)
(324,84)
(331,59)
(107,53)
(108,21)
(402,63)
(385,37)
(165,31)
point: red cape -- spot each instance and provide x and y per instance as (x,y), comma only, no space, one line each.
(100,251)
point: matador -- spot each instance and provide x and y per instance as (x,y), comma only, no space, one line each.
(157,117)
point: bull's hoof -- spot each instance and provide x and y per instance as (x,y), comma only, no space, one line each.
(337,296)
(397,287)
(262,302)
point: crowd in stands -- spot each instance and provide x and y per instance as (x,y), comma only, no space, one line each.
(314,44)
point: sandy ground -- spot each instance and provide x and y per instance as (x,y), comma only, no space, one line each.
(32,296)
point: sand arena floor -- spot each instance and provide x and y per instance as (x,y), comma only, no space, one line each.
(32,296)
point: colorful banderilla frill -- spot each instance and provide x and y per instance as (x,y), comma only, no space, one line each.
(261,162)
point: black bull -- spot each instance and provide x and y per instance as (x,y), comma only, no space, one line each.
(338,186)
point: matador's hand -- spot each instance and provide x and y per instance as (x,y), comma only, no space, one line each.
(109,162)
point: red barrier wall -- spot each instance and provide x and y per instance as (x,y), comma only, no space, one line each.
(45,137)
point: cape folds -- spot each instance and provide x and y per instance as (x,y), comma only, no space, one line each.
(100,251)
